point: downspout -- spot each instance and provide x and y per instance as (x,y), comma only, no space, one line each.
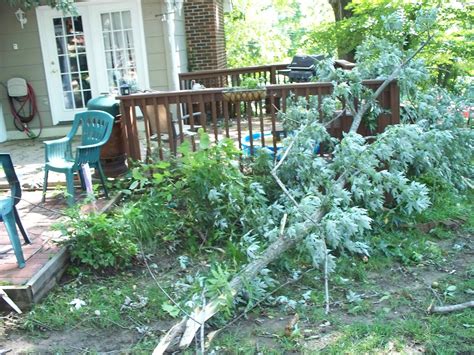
(170,45)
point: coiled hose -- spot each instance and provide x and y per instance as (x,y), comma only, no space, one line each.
(24,109)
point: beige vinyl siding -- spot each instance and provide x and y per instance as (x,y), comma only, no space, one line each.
(155,44)
(25,62)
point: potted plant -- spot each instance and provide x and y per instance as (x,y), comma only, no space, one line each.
(250,89)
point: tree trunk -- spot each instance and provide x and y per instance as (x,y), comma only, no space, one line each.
(181,335)
(339,8)
(341,13)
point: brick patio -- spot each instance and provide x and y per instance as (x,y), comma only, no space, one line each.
(37,218)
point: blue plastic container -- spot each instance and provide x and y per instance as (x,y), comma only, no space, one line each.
(257,140)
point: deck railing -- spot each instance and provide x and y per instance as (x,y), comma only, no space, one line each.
(220,78)
(269,74)
(166,125)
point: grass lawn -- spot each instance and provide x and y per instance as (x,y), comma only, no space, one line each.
(378,304)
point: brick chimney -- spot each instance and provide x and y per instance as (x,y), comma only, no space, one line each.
(205,38)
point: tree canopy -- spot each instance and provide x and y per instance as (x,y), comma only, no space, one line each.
(270,31)
(64,5)
(448,55)
(273,31)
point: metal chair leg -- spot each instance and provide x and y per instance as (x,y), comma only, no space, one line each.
(20,226)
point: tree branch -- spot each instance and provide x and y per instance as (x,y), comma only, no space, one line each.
(452,308)
(358,117)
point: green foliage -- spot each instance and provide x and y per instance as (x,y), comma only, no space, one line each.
(363,181)
(251,83)
(200,198)
(99,241)
(204,195)
(67,6)
(403,24)
(269,31)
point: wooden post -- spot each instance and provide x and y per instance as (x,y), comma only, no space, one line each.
(132,145)
(395,102)
(273,75)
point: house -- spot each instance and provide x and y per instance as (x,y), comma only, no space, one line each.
(68,60)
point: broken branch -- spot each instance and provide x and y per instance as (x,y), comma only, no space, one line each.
(358,117)
(452,308)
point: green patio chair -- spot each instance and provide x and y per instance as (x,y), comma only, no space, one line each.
(8,212)
(96,130)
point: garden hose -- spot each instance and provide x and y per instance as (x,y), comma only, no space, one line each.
(24,109)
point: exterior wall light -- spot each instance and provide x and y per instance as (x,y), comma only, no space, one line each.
(20,16)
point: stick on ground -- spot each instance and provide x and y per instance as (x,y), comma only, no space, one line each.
(452,308)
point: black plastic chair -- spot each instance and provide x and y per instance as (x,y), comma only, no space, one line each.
(8,212)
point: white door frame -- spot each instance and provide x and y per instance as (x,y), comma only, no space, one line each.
(90,12)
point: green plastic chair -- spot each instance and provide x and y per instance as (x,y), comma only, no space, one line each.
(8,212)
(96,130)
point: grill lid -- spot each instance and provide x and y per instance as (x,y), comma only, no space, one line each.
(304,62)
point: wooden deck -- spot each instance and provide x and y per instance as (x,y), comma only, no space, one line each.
(170,118)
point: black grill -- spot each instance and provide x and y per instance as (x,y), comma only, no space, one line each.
(302,68)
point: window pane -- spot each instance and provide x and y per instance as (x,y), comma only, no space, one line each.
(85,82)
(118,40)
(58,27)
(78,103)
(109,60)
(87,96)
(83,62)
(80,44)
(68,100)
(112,79)
(127,21)
(60,45)
(67,25)
(116,21)
(106,26)
(121,59)
(128,39)
(66,81)
(130,58)
(71,44)
(63,64)
(73,63)
(78,24)
(75,82)
(108,40)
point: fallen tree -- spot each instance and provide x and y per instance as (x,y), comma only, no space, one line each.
(328,203)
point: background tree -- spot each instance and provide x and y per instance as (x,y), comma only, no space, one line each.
(341,12)
(270,31)
(64,5)
(448,55)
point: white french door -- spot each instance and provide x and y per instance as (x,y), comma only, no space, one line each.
(96,51)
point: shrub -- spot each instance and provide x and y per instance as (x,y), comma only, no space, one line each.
(98,240)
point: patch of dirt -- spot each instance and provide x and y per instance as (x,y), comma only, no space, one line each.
(452,224)
(74,341)
(319,342)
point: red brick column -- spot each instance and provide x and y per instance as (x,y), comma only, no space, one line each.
(205,38)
